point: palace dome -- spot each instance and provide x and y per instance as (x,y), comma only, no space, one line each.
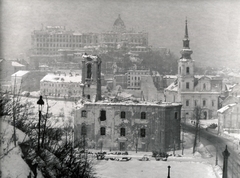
(118,24)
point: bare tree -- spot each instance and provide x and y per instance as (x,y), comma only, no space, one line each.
(197,113)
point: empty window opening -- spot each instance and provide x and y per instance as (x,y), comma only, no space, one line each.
(123,132)
(103,131)
(176,115)
(84,113)
(123,115)
(143,115)
(102,115)
(142,132)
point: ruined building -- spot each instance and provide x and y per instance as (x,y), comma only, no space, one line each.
(122,125)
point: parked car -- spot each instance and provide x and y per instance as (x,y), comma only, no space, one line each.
(144,158)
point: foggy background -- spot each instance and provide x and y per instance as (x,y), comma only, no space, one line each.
(213,24)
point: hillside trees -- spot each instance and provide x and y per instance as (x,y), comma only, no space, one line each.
(56,158)
(153,60)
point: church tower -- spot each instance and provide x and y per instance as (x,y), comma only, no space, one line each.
(91,77)
(186,66)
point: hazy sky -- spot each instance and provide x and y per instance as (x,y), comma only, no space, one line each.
(213,25)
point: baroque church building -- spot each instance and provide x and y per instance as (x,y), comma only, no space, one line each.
(193,90)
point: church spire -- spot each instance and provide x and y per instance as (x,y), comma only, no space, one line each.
(186,51)
(186,30)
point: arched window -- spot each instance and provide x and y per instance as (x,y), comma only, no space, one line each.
(143,115)
(89,71)
(123,115)
(102,115)
(142,132)
(84,130)
(84,113)
(103,131)
(187,70)
(122,132)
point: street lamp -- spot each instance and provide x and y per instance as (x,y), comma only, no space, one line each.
(40,102)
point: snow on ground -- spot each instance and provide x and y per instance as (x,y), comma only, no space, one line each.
(12,164)
(62,111)
(153,168)
(182,166)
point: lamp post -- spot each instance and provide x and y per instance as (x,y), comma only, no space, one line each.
(40,102)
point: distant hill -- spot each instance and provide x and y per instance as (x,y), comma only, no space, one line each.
(213,25)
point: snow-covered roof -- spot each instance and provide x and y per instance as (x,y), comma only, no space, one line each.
(131,103)
(225,108)
(20,73)
(172,87)
(170,76)
(62,78)
(16,64)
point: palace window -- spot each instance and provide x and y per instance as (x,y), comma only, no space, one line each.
(102,115)
(187,85)
(204,102)
(187,70)
(123,115)
(122,132)
(103,131)
(84,113)
(195,102)
(143,115)
(187,102)
(142,132)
